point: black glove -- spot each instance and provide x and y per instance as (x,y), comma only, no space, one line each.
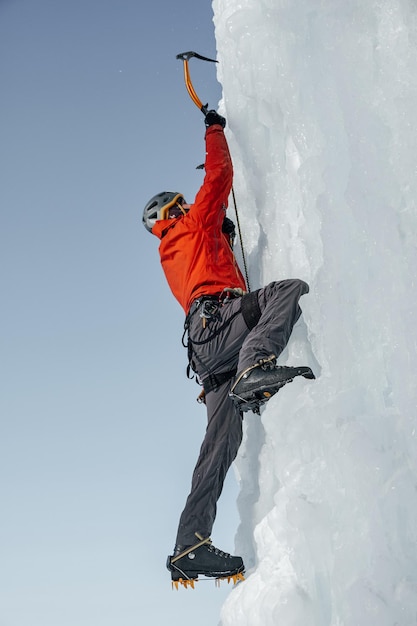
(213,117)
(228,228)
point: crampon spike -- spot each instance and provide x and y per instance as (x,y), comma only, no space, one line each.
(185,583)
(236,578)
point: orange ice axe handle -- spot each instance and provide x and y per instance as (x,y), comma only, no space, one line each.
(185,56)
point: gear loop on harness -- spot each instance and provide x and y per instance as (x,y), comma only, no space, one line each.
(209,306)
(251,312)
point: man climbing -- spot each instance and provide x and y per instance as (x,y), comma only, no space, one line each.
(234,339)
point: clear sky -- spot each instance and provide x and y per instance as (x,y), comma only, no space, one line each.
(99,424)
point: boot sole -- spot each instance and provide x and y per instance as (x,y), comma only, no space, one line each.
(177,573)
(253,400)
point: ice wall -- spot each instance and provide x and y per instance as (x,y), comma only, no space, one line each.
(321,101)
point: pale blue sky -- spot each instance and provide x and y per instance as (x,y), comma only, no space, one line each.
(99,425)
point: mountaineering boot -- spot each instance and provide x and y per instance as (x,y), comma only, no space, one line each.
(258,383)
(203,558)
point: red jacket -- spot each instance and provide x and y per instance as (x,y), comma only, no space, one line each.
(195,255)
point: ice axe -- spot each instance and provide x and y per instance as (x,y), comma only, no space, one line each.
(185,57)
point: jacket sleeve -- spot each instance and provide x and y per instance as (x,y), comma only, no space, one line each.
(213,195)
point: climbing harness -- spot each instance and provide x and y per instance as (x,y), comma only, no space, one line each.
(209,309)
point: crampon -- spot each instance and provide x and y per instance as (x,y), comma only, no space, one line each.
(191,582)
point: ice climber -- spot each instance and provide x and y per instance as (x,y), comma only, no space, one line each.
(234,339)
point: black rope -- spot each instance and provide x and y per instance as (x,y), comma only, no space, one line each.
(216,332)
(241,240)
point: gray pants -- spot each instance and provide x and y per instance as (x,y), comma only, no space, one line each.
(231,345)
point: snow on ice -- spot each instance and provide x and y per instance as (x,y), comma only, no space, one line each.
(321,101)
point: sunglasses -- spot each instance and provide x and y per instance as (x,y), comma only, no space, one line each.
(176,211)
(173,208)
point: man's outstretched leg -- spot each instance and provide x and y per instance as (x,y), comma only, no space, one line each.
(194,553)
